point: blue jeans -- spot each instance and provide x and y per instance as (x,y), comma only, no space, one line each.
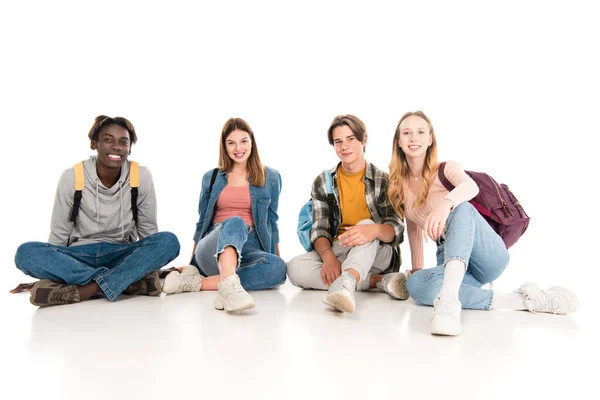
(112,266)
(256,268)
(469,238)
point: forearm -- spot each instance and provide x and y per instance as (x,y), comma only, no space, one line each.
(322,246)
(385,233)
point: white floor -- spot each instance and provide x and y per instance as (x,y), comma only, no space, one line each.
(291,346)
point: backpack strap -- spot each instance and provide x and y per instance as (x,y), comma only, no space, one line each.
(330,196)
(328,182)
(449,186)
(79,182)
(213,178)
(134,183)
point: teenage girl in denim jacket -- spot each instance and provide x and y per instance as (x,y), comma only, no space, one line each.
(236,243)
(469,253)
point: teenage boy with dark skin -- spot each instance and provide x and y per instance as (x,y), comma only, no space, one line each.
(105,251)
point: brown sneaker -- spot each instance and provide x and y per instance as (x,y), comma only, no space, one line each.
(149,286)
(47,293)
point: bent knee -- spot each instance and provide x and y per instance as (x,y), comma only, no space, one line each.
(296,271)
(26,250)
(278,270)
(236,222)
(168,240)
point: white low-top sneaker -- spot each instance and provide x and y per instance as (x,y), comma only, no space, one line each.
(446,317)
(556,300)
(188,270)
(394,284)
(231,296)
(341,293)
(188,280)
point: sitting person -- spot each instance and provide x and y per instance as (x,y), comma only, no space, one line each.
(103,237)
(236,243)
(469,252)
(353,238)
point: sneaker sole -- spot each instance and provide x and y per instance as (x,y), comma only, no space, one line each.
(156,283)
(222,304)
(33,295)
(167,283)
(401,292)
(189,270)
(443,329)
(339,302)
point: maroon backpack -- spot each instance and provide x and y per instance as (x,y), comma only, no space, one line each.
(496,204)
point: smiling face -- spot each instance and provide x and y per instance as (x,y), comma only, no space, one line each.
(348,148)
(239,146)
(414,137)
(113,146)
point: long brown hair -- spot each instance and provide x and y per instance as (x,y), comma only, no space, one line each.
(254,166)
(399,169)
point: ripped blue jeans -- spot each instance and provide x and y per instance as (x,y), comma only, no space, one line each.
(469,238)
(256,268)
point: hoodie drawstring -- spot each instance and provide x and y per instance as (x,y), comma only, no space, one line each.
(121,208)
(97,202)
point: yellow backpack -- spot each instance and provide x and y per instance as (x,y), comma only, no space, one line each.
(134,183)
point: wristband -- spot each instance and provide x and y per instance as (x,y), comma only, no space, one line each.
(323,251)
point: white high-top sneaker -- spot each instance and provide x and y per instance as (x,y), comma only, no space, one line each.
(231,296)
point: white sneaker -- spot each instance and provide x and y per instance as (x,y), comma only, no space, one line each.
(556,300)
(188,270)
(394,284)
(446,317)
(341,293)
(231,296)
(188,280)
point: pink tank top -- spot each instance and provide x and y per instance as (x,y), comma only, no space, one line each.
(234,201)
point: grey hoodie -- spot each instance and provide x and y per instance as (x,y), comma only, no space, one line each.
(105,214)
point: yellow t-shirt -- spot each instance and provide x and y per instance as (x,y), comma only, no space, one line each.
(353,203)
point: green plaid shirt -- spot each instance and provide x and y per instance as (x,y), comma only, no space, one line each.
(376,186)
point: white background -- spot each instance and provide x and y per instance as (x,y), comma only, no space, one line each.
(511,88)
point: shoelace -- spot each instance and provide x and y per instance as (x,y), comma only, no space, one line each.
(188,283)
(443,307)
(236,287)
(137,287)
(348,284)
(545,303)
(62,296)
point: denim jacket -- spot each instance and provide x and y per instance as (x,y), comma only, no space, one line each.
(265,200)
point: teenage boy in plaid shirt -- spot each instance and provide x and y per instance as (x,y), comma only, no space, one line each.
(356,238)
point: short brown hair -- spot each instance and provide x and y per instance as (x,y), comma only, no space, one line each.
(351,121)
(102,120)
